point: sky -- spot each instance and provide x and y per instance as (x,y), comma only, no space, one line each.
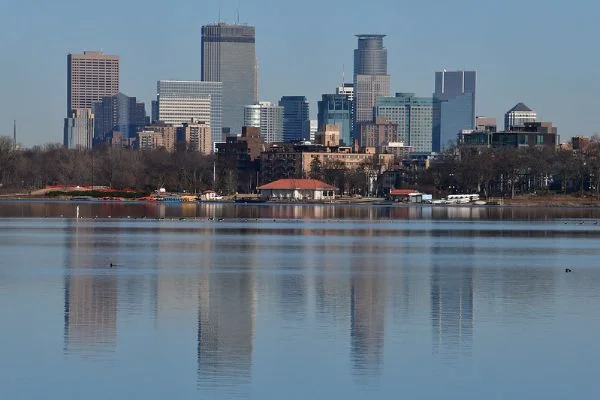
(542,53)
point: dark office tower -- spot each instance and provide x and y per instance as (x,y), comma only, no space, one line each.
(296,121)
(453,106)
(336,109)
(370,76)
(119,113)
(229,56)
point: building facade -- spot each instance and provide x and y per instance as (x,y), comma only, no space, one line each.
(336,109)
(378,133)
(229,57)
(413,115)
(159,135)
(518,116)
(296,121)
(118,113)
(268,117)
(79,129)
(370,76)
(196,136)
(453,106)
(91,76)
(328,135)
(180,101)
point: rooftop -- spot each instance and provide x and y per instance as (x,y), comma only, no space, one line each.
(291,184)
(520,107)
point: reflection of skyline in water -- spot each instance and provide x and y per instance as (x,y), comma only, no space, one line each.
(452,305)
(91,294)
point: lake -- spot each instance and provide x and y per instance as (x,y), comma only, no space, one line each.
(220,301)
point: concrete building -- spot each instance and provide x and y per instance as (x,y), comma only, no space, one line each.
(229,56)
(413,115)
(370,76)
(268,117)
(314,127)
(453,106)
(296,122)
(118,113)
(518,116)
(328,135)
(180,101)
(336,109)
(166,133)
(91,76)
(485,124)
(196,136)
(379,133)
(79,129)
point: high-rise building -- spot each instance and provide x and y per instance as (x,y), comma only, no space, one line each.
(229,56)
(453,106)
(370,76)
(196,135)
(346,89)
(517,116)
(336,109)
(268,117)
(180,101)
(91,76)
(156,136)
(118,113)
(314,127)
(328,135)
(78,129)
(413,115)
(296,121)
(378,133)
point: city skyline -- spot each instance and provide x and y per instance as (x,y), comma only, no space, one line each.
(411,62)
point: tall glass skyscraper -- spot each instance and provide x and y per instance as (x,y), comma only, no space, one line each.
(414,116)
(179,101)
(268,117)
(370,76)
(229,57)
(336,109)
(453,106)
(296,121)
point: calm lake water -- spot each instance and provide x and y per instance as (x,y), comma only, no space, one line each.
(297,302)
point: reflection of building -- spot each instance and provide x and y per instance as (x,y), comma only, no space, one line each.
(452,309)
(90,298)
(226,327)
(367,312)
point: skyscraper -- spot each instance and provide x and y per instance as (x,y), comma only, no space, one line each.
(336,109)
(268,117)
(119,113)
(229,56)
(90,77)
(296,122)
(454,106)
(414,116)
(517,116)
(180,101)
(370,76)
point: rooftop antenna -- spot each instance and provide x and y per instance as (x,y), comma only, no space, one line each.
(343,76)
(219,13)
(238,13)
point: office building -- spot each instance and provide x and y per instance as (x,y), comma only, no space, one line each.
(229,56)
(347,89)
(485,124)
(91,76)
(157,136)
(268,117)
(516,117)
(453,106)
(413,115)
(328,135)
(196,136)
(180,101)
(314,127)
(336,109)
(118,113)
(79,129)
(378,133)
(370,76)
(296,122)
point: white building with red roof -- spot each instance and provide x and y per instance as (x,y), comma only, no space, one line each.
(298,189)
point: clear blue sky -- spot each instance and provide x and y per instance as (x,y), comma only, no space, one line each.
(542,53)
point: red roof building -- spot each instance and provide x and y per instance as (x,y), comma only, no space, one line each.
(298,189)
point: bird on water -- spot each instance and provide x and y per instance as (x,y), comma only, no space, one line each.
(568,270)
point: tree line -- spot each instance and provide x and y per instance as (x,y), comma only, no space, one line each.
(503,172)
